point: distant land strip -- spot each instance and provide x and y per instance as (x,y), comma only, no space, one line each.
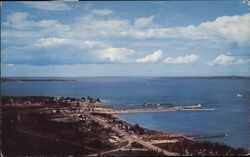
(32,79)
(156,77)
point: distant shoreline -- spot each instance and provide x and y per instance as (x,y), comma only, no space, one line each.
(38,79)
(31,79)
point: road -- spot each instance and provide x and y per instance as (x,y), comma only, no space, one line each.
(131,138)
(113,150)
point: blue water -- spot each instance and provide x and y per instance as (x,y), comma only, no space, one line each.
(230,96)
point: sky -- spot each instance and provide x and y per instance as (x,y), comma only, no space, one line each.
(125,38)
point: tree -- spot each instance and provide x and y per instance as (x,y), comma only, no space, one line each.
(137,126)
(98,100)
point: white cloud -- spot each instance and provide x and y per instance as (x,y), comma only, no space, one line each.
(234,28)
(47,42)
(187,59)
(53,41)
(100,26)
(17,20)
(116,54)
(224,59)
(46,23)
(20,21)
(188,32)
(151,58)
(50,6)
(142,22)
(92,44)
(24,30)
(102,12)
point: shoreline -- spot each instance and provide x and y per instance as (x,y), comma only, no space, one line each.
(148,128)
(186,135)
(197,107)
(117,132)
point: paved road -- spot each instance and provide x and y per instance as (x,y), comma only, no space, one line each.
(131,138)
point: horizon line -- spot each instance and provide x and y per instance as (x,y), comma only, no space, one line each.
(117,76)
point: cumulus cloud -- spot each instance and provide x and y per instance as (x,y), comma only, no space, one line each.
(81,34)
(142,22)
(53,41)
(234,28)
(17,20)
(101,12)
(92,44)
(187,59)
(48,42)
(151,58)
(188,32)
(102,26)
(224,59)
(49,6)
(116,54)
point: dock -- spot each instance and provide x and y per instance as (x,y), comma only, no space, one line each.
(197,107)
(210,135)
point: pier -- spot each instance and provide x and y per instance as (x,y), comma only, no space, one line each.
(197,107)
(209,135)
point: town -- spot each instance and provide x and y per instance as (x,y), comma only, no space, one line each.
(41,125)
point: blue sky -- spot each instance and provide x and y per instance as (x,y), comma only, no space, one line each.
(136,38)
